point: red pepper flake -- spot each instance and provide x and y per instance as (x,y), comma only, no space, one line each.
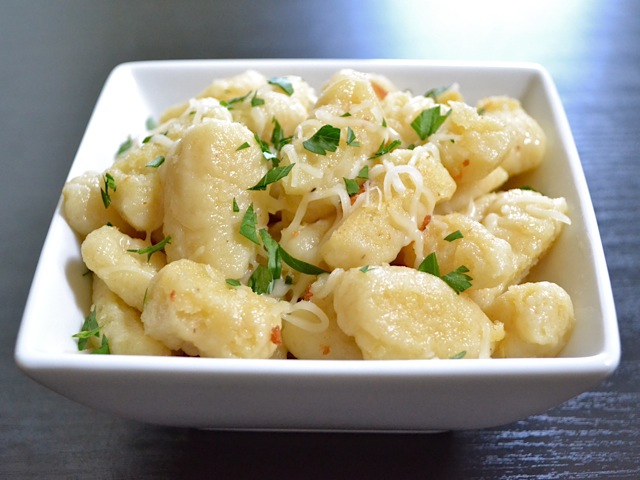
(276,335)
(380,91)
(307,294)
(172,295)
(326,349)
(466,163)
(425,221)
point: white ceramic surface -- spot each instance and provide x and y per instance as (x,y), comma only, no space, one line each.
(415,395)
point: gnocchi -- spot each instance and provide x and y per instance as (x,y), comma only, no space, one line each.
(263,218)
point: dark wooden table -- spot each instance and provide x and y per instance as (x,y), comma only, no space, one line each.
(54,58)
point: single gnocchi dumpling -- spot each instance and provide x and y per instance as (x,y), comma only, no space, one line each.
(202,178)
(529,140)
(347,103)
(121,324)
(538,320)
(83,207)
(490,259)
(400,313)
(403,189)
(111,255)
(329,343)
(471,145)
(529,221)
(190,307)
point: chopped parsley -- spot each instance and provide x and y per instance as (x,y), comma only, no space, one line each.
(365,269)
(272,176)
(248,225)
(457,279)
(234,206)
(243,146)
(255,101)
(150,123)
(277,136)
(428,122)
(352,186)
(459,355)
(229,103)
(156,162)
(266,151)
(124,146)
(109,184)
(233,282)
(283,83)
(261,280)
(364,172)
(326,139)
(454,236)
(384,149)
(351,138)
(90,328)
(151,249)
(299,265)
(434,93)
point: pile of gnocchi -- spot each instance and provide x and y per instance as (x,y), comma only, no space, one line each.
(265,219)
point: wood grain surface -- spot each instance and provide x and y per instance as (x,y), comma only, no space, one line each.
(54,58)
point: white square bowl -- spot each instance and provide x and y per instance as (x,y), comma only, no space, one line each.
(408,395)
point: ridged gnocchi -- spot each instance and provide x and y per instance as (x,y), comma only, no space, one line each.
(263,218)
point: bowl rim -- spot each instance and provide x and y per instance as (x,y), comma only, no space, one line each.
(30,359)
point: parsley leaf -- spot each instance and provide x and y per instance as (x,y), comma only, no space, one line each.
(351,138)
(352,186)
(428,121)
(299,265)
(430,265)
(151,249)
(124,146)
(229,103)
(109,183)
(364,172)
(458,279)
(150,123)
(104,347)
(156,162)
(243,146)
(90,328)
(459,355)
(272,176)
(261,280)
(233,282)
(365,269)
(435,92)
(384,149)
(283,83)
(234,206)
(248,226)
(266,151)
(325,139)
(255,101)
(454,236)
(274,264)
(277,136)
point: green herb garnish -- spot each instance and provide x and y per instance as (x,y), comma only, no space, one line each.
(459,355)
(233,282)
(156,162)
(384,149)
(326,139)
(277,136)
(454,236)
(151,249)
(248,225)
(234,206)
(434,93)
(229,103)
(255,101)
(352,186)
(458,279)
(150,123)
(124,146)
(283,83)
(243,146)
(266,151)
(351,138)
(428,121)
(109,184)
(272,176)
